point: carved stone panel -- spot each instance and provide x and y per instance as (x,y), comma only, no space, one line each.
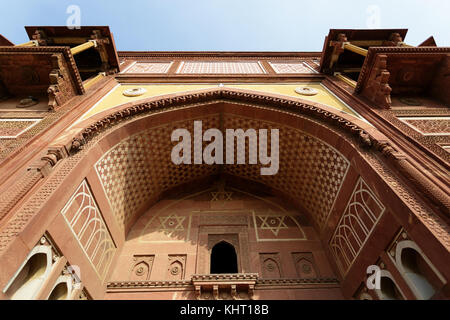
(305,265)
(270,265)
(142,268)
(176,267)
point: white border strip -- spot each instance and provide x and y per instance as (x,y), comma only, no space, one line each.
(35,120)
(403,119)
(345,104)
(126,69)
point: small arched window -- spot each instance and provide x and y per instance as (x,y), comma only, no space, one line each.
(418,272)
(223,258)
(388,290)
(28,281)
(60,292)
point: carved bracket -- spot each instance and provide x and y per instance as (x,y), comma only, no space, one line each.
(61,89)
(378,89)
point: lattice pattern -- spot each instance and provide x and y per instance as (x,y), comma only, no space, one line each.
(354,228)
(12,128)
(149,67)
(293,67)
(86,222)
(140,167)
(429,125)
(310,170)
(219,67)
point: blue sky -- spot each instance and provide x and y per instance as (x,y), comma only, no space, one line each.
(231,25)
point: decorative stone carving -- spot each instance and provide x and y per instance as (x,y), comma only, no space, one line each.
(142,268)
(306,91)
(305,265)
(176,268)
(135,92)
(86,222)
(149,67)
(270,265)
(360,217)
(291,68)
(220,67)
(237,286)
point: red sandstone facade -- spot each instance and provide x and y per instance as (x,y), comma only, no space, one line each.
(92,207)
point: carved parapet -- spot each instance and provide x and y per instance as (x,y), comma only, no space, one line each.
(46,163)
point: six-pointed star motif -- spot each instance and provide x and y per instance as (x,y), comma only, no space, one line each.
(171,223)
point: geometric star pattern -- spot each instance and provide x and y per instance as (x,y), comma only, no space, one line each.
(297,67)
(171,223)
(310,170)
(273,223)
(139,168)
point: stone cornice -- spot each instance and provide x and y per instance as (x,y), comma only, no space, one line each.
(188,284)
(225,277)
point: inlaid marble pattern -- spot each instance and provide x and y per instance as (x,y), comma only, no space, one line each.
(429,125)
(140,167)
(12,128)
(363,212)
(86,222)
(292,67)
(149,67)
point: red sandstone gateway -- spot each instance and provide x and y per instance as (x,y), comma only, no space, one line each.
(93,207)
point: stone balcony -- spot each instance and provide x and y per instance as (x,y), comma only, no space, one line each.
(224,286)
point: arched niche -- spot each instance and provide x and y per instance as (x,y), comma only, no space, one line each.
(29,278)
(223,258)
(62,289)
(417,270)
(388,288)
(176,270)
(271,269)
